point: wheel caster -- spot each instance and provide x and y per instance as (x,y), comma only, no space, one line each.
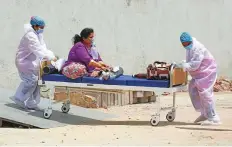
(47,113)
(154,120)
(170,116)
(66,107)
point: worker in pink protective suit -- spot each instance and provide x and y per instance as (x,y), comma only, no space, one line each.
(202,67)
(31,50)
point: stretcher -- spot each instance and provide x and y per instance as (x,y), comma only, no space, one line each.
(176,83)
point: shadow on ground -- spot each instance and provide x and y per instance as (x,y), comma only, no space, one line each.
(71,119)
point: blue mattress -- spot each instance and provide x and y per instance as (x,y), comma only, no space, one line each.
(122,80)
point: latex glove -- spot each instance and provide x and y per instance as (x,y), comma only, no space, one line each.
(58,64)
(179,65)
(183,61)
(183,64)
(186,66)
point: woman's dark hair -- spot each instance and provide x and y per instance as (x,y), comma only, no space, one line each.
(84,34)
(76,39)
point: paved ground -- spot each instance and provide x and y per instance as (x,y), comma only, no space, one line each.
(132,127)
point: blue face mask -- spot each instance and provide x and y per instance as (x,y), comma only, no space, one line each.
(190,46)
(40,31)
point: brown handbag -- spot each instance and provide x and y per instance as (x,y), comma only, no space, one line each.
(158,71)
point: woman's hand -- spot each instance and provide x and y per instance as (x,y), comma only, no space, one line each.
(105,65)
(102,63)
(110,68)
(94,73)
(104,68)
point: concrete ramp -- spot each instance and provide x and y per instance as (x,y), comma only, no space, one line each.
(9,111)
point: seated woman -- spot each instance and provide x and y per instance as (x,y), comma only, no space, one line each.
(83,57)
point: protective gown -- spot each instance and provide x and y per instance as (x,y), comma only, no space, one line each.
(31,50)
(202,67)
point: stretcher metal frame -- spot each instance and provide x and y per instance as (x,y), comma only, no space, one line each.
(155,118)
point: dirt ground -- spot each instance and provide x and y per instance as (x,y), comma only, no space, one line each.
(132,127)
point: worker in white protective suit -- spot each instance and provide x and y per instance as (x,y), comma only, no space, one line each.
(31,50)
(201,66)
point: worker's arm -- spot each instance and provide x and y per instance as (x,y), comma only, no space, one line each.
(37,49)
(195,61)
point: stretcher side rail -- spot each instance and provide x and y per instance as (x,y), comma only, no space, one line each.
(50,85)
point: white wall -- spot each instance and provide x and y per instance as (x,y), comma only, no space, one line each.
(130,33)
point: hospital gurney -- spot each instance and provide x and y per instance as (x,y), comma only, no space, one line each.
(177,82)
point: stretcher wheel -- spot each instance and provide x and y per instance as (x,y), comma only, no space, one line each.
(154,120)
(47,113)
(170,116)
(65,109)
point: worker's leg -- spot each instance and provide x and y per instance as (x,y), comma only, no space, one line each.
(208,105)
(195,98)
(34,100)
(26,90)
(34,93)
(205,90)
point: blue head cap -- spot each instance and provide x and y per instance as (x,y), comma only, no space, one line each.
(36,20)
(185,37)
